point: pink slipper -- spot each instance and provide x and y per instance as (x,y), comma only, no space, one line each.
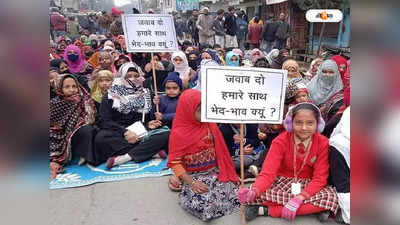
(110,162)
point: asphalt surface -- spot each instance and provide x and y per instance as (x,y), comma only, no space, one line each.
(145,201)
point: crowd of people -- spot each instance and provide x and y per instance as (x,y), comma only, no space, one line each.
(98,89)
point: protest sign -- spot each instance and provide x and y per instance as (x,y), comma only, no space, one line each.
(149,33)
(242,95)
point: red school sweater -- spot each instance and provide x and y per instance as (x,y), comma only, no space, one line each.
(279,162)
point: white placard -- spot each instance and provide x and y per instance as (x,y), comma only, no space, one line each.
(271,2)
(242,95)
(149,33)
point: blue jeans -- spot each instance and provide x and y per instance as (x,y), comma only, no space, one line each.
(280,43)
(267,46)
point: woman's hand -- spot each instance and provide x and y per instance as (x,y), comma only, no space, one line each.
(131,137)
(248,150)
(154,124)
(159,116)
(237,139)
(262,136)
(156,100)
(198,187)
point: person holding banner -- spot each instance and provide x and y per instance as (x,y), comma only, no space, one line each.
(199,157)
(294,176)
(125,103)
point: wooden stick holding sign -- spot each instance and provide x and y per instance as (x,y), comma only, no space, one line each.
(242,96)
(242,206)
(155,80)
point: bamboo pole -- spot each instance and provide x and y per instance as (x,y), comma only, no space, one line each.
(242,206)
(154,79)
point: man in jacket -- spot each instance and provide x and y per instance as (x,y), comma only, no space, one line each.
(230,27)
(282,32)
(268,33)
(255,33)
(194,32)
(218,27)
(241,30)
(205,26)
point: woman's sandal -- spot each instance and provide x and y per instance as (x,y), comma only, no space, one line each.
(174,185)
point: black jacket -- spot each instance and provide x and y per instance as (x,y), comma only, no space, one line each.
(230,25)
(269,30)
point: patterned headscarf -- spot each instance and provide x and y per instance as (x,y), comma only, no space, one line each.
(68,114)
(129,96)
(256,54)
(292,63)
(323,86)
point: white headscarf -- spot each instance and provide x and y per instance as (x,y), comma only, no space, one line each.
(340,138)
(322,86)
(204,62)
(183,68)
(272,55)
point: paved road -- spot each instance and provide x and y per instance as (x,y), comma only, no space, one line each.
(145,201)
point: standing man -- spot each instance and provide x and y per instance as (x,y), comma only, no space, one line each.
(180,27)
(268,33)
(194,32)
(255,31)
(230,27)
(73,28)
(241,33)
(282,32)
(218,27)
(205,26)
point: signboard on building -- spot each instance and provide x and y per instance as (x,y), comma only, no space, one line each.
(186,5)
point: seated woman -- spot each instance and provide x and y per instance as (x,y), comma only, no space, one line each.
(70,110)
(232,59)
(167,103)
(326,89)
(200,158)
(251,147)
(125,103)
(181,65)
(339,158)
(293,180)
(54,76)
(193,57)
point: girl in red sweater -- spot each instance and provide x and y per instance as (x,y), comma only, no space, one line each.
(293,180)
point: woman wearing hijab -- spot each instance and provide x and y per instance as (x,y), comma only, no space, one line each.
(125,103)
(195,83)
(106,62)
(63,68)
(339,158)
(272,55)
(209,54)
(232,59)
(76,62)
(256,54)
(326,89)
(70,110)
(293,69)
(161,74)
(182,67)
(343,67)
(294,176)
(200,159)
(193,57)
(54,76)
(312,71)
